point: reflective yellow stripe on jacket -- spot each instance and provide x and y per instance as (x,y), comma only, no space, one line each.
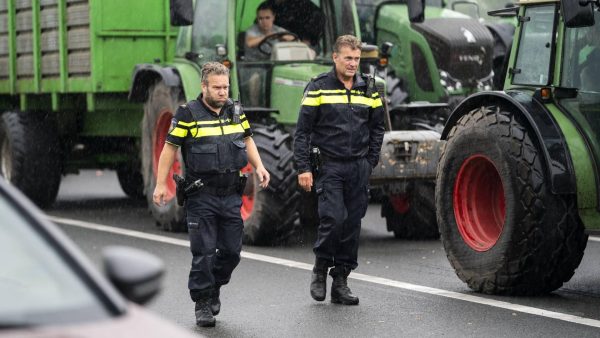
(208,128)
(316,98)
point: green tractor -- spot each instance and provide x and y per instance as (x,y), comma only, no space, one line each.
(502,29)
(518,180)
(432,65)
(441,59)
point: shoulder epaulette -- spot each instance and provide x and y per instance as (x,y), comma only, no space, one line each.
(313,79)
(320,76)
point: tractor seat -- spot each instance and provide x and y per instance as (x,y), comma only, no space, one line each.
(292,51)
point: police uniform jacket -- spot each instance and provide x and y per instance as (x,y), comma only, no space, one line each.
(212,144)
(344,124)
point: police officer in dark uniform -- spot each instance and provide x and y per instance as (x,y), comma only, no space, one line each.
(216,143)
(342,115)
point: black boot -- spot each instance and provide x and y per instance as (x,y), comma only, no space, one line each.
(204,316)
(318,282)
(215,301)
(340,292)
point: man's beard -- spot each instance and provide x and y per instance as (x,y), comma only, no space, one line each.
(213,103)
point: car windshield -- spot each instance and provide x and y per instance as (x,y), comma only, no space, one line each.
(37,285)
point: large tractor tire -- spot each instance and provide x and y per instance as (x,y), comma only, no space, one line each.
(412,216)
(396,90)
(30,156)
(503,230)
(270,214)
(159,108)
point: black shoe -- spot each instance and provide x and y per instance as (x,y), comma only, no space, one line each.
(318,284)
(204,316)
(215,301)
(340,292)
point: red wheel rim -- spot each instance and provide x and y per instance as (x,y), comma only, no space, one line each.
(248,196)
(400,203)
(479,204)
(160,135)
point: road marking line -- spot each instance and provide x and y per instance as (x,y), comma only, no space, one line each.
(357,276)
(594,238)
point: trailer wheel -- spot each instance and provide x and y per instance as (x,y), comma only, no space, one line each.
(131,181)
(412,216)
(503,230)
(158,111)
(270,214)
(30,156)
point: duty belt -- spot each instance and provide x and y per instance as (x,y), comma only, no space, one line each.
(326,158)
(220,191)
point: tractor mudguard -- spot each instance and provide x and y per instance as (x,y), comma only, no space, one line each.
(556,156)
(406,155)
(146,75)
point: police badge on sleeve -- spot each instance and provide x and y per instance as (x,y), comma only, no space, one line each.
(173,125)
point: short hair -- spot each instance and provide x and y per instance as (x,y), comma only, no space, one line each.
(213,68)
(347,41)
(265,5)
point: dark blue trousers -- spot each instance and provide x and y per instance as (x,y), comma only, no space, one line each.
(342,192)
(215,229)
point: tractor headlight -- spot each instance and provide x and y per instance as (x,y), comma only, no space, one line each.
(449,83)
(486,83)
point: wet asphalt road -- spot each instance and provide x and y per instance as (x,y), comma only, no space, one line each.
(269,298)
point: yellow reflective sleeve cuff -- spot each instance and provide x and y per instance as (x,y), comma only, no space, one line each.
(245,125)
(179,132)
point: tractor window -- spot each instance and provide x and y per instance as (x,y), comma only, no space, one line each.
(580,69)
(581,61)
(209,29)
(434,3)
(344,23)
(532,66)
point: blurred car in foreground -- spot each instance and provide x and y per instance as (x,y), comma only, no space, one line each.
(49,289)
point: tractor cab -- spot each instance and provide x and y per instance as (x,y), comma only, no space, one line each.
(268,75)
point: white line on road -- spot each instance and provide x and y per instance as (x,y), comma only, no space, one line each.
(594,239)
(357,276)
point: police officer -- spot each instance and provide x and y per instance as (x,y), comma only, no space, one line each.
(216,143)
(342,115)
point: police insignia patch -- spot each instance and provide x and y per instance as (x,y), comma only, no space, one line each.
(173,125)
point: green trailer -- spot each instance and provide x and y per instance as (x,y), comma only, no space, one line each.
(65,74)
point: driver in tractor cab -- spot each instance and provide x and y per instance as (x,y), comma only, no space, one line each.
(589,61)
(260,38)
(308,26)
(263,29)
